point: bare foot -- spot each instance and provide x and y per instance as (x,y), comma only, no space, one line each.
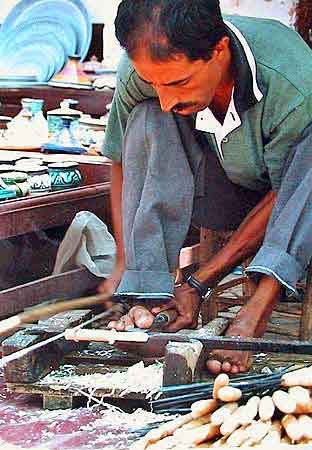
(229,362)
(251,321)
(233,361)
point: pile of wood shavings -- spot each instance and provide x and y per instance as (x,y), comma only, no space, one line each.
(137,378)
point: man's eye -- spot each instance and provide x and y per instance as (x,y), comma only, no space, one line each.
(183,83)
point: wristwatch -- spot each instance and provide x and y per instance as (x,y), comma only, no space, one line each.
(204,292)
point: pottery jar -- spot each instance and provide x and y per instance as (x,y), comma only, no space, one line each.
(55,116)
(64,175)
(5,192)
(29,161)
(8,159)
(39,179)
(5,168)
(17,182)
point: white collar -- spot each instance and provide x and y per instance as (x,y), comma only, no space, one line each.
(206,121)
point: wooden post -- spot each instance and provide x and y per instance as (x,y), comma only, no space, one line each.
(181,359)
(53,402)
(306,316)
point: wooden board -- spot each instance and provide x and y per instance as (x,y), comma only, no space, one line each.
(74,283)
(55,388)
(35,365)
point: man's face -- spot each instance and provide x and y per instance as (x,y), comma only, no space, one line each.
(183,86)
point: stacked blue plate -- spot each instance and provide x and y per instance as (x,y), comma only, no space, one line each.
(37,37)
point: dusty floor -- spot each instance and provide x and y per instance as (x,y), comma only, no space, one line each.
(24,423)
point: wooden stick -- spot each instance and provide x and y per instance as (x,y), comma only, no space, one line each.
(49,310)
(111,336)
(19,354)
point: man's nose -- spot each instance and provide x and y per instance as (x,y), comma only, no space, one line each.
(167,101)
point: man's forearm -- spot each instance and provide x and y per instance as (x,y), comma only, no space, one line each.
(116,196)
(244,243)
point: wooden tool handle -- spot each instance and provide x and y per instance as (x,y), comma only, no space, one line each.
(66,305)
(49,310)
(164,318)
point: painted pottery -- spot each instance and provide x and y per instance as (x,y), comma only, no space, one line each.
(5,192)
(66,109)
(64,175)
(17,182)
(5,168)
(39,180)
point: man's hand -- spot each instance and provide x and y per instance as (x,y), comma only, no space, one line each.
(187,303)
(111,283)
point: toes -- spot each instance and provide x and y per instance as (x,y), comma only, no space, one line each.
(214,366)
(226,367)
(112,324)
(120,325)
(242,368)
(235,369)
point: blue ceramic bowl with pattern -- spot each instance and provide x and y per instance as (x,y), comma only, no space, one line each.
(64,175)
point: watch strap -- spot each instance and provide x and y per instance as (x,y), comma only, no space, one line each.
(202,290)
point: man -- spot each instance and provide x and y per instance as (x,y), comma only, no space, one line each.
(210,125)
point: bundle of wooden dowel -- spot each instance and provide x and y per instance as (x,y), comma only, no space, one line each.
(178,399)
(283,418)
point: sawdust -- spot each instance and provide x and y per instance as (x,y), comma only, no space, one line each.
(135,379)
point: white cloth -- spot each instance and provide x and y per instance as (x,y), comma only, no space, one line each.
(88,243)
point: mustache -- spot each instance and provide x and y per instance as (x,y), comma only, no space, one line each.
(180,106)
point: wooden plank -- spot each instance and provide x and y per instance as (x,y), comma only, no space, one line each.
(105,354)
(53,209)
(53,402)
(74,283)
(38,363)
(64,389)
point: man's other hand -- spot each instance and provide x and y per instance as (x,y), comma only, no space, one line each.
(111,283)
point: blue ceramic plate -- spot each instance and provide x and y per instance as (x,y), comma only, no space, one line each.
(16,84)
(18,78)
(68,12)
(23,45)
(52,28)
(41,59)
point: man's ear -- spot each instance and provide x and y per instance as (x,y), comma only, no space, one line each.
(222,47)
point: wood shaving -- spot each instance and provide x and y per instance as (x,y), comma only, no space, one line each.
(137,378)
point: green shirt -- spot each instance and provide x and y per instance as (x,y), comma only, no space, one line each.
(270,107)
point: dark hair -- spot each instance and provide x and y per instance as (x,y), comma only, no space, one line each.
(169,27)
